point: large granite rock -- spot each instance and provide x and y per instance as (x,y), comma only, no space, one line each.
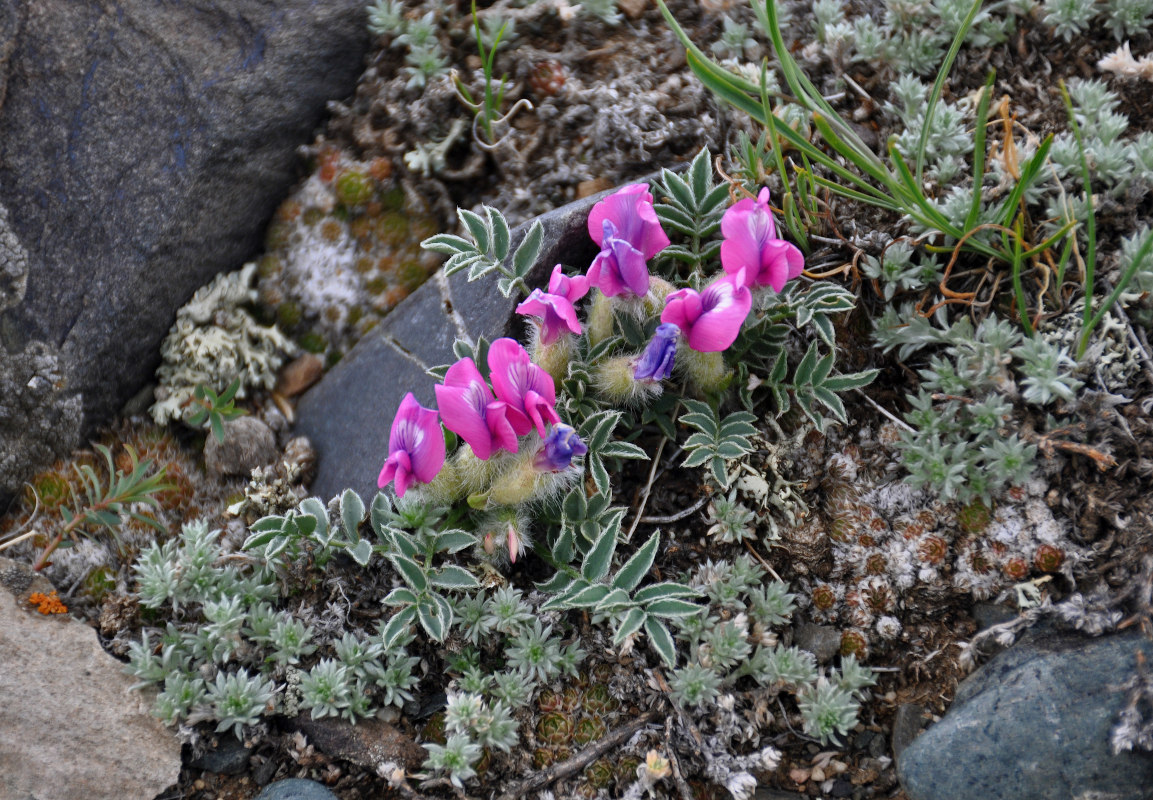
(70,726)
(1035,723)
(348,414)
(143,147)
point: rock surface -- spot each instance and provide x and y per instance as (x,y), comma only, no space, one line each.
(54,669)
(295,789)
(143,146)
(1035,722)
(348,414)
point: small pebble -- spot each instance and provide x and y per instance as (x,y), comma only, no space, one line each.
(823,641)
(248,443)
(299,375)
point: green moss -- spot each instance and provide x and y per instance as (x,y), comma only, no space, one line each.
(974,517)
(423,227)
(599,774)
(411,274)
(99,583)
(313,342)
(393,199)
(391,228)
(289,314)
(279,235)
(353,188)
(268,266)
(377,285)
(51,487)
(311,216)
(355,314)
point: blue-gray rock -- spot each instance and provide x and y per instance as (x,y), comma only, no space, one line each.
(1035,723)
(295,789)
(143,147)
(908,721)
(348,414)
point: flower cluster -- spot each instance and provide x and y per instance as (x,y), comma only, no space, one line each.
(490,419)
(521,400)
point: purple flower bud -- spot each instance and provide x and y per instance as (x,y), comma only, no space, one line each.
(560,447)
(656,362)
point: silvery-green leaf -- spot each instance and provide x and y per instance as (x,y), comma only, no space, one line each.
(351,514)
(634,570)
(661,640)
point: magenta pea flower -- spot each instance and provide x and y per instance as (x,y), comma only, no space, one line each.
(526,388)
(415,447)
(711,319)
(751,244)
(470,410)
(555,307)
(625,227)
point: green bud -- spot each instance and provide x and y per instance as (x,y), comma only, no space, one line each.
(554,357)
(600,321)
(706,371)
(616,384)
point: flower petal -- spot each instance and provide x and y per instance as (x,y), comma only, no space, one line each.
(727,303)
(630,209)
(500,429)
(515,378)
(682,308)
(572,288)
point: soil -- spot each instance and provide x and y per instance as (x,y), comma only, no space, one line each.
(575,142)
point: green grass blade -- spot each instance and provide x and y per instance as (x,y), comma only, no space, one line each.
(939,85)
(979,150)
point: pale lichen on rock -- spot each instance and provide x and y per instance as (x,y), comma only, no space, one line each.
(214,342)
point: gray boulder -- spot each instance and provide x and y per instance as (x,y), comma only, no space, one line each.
(347,416)
(143,147)
(1035,723)
(70,725)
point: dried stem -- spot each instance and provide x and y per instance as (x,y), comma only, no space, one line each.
(580,760)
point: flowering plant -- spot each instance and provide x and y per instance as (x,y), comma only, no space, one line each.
(647,330)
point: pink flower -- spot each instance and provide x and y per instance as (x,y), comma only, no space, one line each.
(555,307)
(570,288)
(711,319)
(751,244)
(415,446)
(526,388)
(470,410)
(625,226)
(630,210)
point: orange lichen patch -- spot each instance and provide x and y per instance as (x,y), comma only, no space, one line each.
(47,603)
